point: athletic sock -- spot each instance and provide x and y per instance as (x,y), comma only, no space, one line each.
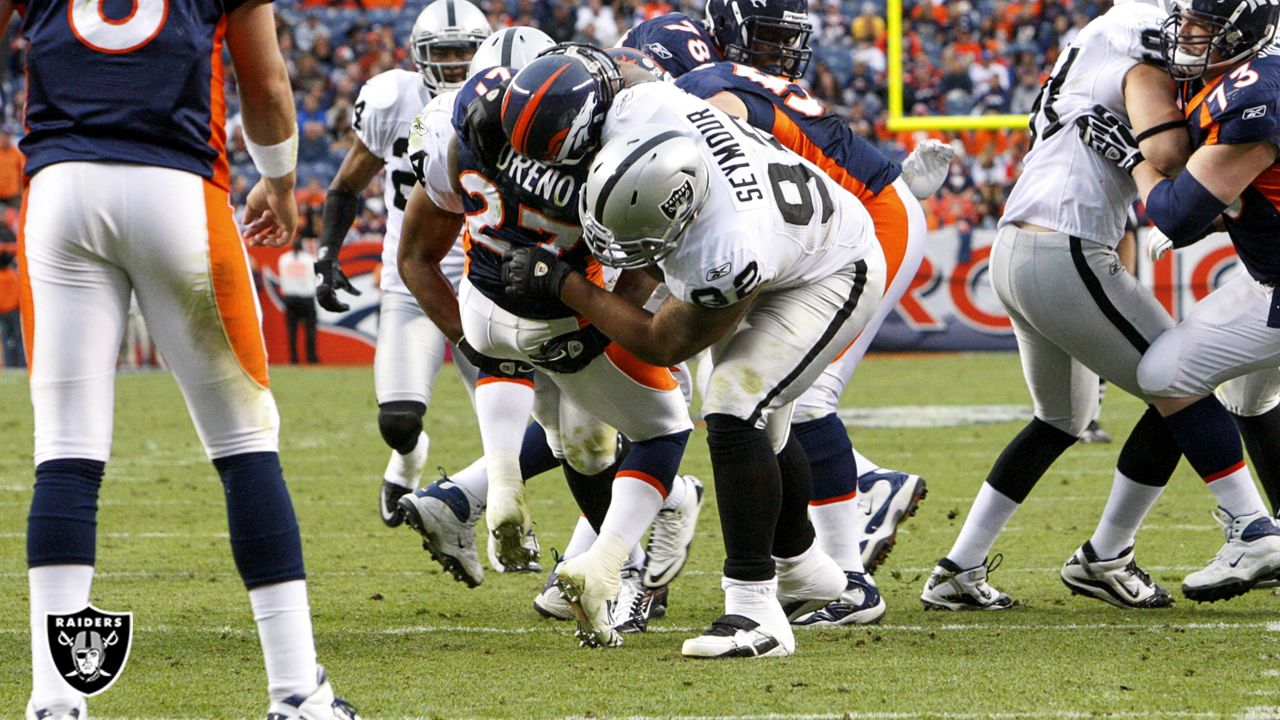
(834,524)
(749,493)
(535,454)
(1209,440)
(680,488)
(990,512)
(592,493)
(1147,460)
(473,480)
(794,533)
(635,504)
(864,464)
(811,574)
(581,539)
(284,629)
(60,589)
(503,408)
(833,507)
(758,600)
(406,470)
(1261,435)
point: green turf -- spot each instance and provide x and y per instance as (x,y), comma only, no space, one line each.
(403,640)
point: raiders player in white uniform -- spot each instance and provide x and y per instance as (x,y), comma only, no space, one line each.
(410,349)
(776,268)
(1077,314)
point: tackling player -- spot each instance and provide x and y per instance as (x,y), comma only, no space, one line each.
(410,349)
(1222,53)
(765,257)
(126,149)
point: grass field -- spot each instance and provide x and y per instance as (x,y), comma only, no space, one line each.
(404,641)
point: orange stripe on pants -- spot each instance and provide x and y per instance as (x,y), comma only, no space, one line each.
(233,286)
(892,232)
(650,376)
(25,305)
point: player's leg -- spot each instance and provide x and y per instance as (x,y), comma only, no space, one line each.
(1226,335)
(786,340)
(1254,403)
(74,303)
(184,229)
(407,358)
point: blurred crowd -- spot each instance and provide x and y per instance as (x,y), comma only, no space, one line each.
(962,57)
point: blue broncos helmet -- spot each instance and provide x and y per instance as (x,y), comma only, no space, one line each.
(1203,35)
(772,35)
(554,109)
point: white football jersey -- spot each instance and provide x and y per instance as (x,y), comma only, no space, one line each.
(1065,186)
(771,219)
(383,115)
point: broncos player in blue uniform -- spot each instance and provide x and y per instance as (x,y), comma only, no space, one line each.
(1222,53)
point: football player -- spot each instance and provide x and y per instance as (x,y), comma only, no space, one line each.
(1222,55)
(1077,314)
(768,262)
(126,153)
(410,349)
(507,200)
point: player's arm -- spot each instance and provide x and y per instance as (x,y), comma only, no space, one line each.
(727,102)
(426,237)
(1158,124)
(636,286)
(270,124)
(341,205)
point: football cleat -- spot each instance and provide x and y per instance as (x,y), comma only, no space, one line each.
(886,499)
(507,515)
(550,603)
(636,604)
(530,544)
(442,515)
(1250,555)
(672,535)
(67,710)
(859,604)
(590,589)
(319,705)
(809,585)
(1093,433)
(737,636)
(951,588)
(389,503)
(1118,581)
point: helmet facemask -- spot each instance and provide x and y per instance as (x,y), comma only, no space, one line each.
(775,45)
(443,60)
(1194,43)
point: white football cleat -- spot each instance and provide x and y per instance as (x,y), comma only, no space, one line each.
(738,636)
(550,602)
(389,503)
(886,498)
(1118,581)
(1250,555)
(530,544)
(443,516)
(950,587)
(590,586)
(859,604)
(66,710)
(636,604)
(507,515)
(319,705)
(672,535)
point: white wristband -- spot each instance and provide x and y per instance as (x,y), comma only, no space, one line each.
(274,161)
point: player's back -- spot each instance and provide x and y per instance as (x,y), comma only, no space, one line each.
(1064,185)
(770,215)
(782,108)
(675,41)
(1243,106)
(108,84)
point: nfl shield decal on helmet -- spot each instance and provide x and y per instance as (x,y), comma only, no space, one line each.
(90,647)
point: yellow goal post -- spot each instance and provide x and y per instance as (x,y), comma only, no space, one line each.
(900,122)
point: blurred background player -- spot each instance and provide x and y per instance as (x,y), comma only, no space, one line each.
(129,191)
(298,292)
(410,349)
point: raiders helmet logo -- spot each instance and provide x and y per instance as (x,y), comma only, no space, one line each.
(90,647)
(677,202)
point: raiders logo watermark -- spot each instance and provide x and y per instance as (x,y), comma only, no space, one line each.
(90,647)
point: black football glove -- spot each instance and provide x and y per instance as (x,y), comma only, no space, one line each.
(497,367)
(482,125)
(1106,134)
(571,352)
(329,280)
(533,273)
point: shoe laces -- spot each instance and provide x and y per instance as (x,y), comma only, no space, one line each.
(994,562)
(662,539)
(345,707)
(1137,572)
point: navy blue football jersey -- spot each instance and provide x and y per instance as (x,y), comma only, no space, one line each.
(675,41)
(512,202)
(782,108)
(1243,106)
(131,81)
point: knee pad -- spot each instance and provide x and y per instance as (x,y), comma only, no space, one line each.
(62,524)
(400,423)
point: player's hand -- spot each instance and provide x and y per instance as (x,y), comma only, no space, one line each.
(1157,244)
(925,169)
(482,124)
(571,352)
(533,273)
(329,280)
(497,367)
(1106,134)
(271,212)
